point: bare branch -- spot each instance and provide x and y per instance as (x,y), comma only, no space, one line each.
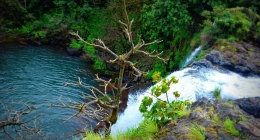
(21,129)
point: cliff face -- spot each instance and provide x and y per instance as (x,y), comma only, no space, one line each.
(222,120)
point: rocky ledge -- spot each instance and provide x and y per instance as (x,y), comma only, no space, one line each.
(216,119)
(242,58)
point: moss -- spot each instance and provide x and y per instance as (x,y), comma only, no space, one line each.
(229,103)
(210,112)
(212,131)
(162,133)
(199,109)
(243,119)
(222,48)
(250,49)
(216,120)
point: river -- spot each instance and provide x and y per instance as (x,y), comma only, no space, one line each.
(36,74)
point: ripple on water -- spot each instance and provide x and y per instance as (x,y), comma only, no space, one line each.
(38,74)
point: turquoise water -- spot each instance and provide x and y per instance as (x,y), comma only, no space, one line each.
(37,74)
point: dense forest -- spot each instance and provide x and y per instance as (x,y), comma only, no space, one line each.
(182,25)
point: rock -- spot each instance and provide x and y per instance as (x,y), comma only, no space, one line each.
(210,136)
(212,118)
(202,102)
(74,52)
(223,136)
(202,64)
(205,122)
(169,136)
(196,115)
(215,57)
(247,128)
(250,105)
(242,69)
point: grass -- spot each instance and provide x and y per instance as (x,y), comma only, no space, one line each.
(210,111)
(216,119)
(145,131)
(230,128)
(197,132)
(243,119)
(217,93)
(92,136)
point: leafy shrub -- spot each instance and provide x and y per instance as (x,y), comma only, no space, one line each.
(75,44)
(91,50)
(163,111)
(99,65)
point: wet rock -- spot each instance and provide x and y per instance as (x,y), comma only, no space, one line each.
(242,58)
(242,69)
(250,105)
(215,57)
(74,52)
(202,64)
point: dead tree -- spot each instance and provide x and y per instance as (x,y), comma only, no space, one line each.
(106,109)
(16,125)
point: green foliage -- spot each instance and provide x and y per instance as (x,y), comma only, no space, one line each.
(159,67)
(228,24)
(217,93)
(222,48)
(39,34)
(201,55)
(197,132)
(156,77)
(92,136)
(148,127)
(243,119)
(91,50)
(99,65)
(75,44)
(144,131)
(229,126)
(164,18)
(162,111)
(216,119)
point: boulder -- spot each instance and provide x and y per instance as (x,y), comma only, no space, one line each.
(250,105)
(202,64)
(215,57)
(247,128)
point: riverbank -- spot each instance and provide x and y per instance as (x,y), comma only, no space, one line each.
(219,119)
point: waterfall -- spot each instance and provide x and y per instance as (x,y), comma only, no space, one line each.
(193,84)
(191,57)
